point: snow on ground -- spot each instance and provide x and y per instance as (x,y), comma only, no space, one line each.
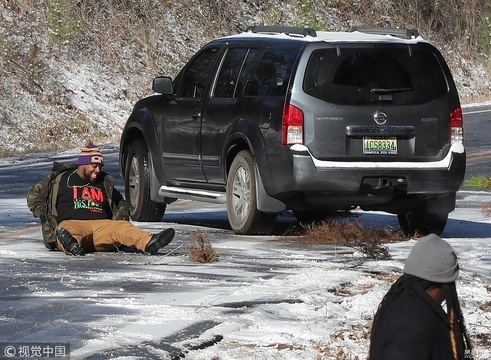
(262,299)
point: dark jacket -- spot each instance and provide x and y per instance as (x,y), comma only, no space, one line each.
(41,200)
(414,327)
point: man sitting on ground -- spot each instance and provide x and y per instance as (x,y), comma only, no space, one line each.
(81,211)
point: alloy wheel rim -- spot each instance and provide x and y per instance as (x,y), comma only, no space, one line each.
(241,193)
(134,182)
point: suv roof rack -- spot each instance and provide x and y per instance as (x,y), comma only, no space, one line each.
(404,33)
(289,30)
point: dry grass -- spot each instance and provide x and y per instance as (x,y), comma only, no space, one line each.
(486,210)
(201,250)
(370,241)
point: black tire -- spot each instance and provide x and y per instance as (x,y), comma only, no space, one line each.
(419,220)
(137,185)
(243,216)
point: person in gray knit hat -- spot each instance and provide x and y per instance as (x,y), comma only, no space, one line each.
(410,322)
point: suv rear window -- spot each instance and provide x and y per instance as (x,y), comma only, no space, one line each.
(353,75)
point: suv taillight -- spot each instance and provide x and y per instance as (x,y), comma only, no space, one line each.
(456,126)
(292,132)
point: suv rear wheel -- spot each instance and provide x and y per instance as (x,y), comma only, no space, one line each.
(137,185)
(419,220)
(242,210)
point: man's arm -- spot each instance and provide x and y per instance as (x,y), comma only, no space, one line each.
(120,208)
(37,197)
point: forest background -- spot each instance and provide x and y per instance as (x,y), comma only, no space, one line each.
(72,69)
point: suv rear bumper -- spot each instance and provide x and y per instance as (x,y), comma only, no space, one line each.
(311,174)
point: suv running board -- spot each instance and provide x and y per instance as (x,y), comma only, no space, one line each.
(193,194)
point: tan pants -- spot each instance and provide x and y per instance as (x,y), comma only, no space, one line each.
(105,235)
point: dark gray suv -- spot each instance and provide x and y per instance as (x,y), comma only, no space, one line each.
(281,118)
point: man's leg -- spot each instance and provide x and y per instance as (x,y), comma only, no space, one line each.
(122,232)
(74,237)
(112,233)
(108,235)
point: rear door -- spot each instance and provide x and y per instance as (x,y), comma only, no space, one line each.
(248,97)
(224,107)
(378,102)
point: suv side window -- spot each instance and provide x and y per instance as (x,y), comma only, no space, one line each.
(355,76)
(273,72)
(235,71)
(195,78)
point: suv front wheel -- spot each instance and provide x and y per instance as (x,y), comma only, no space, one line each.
(243,215)
(137,185)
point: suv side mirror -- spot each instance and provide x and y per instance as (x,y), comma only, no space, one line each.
(163,85)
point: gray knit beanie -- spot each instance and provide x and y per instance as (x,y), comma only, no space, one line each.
(432,259)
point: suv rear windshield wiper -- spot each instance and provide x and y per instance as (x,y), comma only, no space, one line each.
(390,91)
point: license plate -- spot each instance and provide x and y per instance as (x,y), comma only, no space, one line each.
(380,146)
